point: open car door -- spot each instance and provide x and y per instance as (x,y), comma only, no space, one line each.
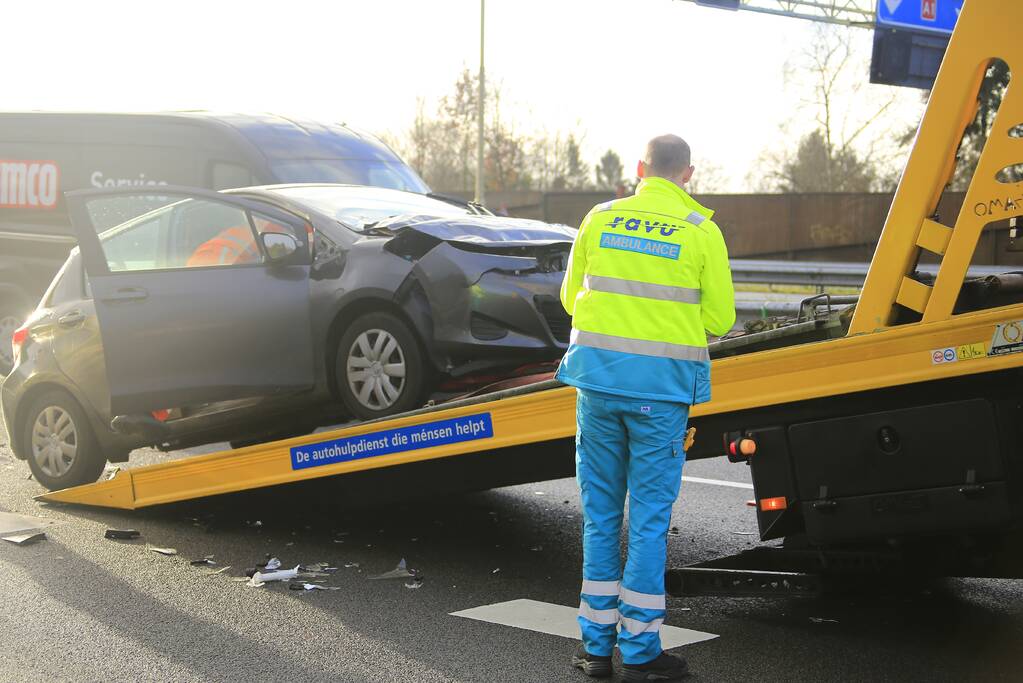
(200,296)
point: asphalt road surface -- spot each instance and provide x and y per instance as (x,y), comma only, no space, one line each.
(81,607)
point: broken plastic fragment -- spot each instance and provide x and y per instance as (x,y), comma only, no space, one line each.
(279,575)
(318,568)
(218,571)
(162,551)
(311,587)
(254,582)
(674,531)
(536,548)
(204,562)
(822,620)
(349,565)
(399,572)
(25,539)
(414,583)
(744,533)
(496,570)
(272,563)
(122,534)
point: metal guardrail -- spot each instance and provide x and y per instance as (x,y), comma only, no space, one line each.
(825,273)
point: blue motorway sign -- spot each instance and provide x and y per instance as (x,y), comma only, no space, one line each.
(921,15)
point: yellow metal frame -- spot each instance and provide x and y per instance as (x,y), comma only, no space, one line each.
(987,30)
(875,354)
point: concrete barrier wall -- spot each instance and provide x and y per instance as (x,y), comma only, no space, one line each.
(828,227)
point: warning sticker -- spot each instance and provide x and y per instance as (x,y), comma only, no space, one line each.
(428,435)
(951,354)
(1008,338)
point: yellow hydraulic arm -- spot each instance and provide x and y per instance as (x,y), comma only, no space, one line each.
(875,354)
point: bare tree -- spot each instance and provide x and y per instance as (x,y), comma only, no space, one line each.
(838,155)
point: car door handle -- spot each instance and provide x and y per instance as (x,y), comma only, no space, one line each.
(72,319)
(128,294)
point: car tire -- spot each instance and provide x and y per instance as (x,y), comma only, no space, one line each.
(57,438)
(379,367)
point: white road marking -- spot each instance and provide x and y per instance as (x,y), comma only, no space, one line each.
(559,620)
(719,482)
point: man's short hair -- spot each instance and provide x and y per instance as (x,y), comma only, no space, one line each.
(667,155)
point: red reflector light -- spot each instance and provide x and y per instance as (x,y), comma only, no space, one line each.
(768,504)
(161,415)
(18,340)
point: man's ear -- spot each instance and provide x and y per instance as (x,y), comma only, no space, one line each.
(687,174)
(640,169)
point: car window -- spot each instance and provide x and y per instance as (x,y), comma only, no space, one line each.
(361,207)
(189,233)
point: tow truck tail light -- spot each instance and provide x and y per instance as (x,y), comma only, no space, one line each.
(161,415)
(771,504)
(18,340)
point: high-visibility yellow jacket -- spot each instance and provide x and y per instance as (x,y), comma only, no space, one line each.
(647,279)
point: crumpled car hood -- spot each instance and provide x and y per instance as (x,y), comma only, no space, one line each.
(497,231)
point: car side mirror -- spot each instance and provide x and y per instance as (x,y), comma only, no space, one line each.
(280,247)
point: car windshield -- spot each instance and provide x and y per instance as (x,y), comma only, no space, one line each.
(360,208)
(376,173)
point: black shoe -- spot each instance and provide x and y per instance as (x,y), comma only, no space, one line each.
(591,665)
(664,667)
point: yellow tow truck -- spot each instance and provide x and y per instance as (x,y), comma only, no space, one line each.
(888,434)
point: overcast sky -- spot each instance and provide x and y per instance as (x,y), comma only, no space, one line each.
(621,71)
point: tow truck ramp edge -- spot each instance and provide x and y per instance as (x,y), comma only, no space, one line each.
(907,428)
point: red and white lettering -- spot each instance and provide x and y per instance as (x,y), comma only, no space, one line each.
(28,184)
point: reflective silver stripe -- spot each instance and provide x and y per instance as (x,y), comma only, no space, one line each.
(695,218)
(646,290)
(606,206)
(601,587)
(636,627)
(643,600)
(598,616)
(610,342)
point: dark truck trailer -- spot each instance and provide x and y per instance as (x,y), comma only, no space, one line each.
(44,155)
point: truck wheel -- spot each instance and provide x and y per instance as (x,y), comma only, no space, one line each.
(10,320)
(379,367)
(56,435)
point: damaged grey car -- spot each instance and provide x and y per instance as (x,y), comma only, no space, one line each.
(190,316)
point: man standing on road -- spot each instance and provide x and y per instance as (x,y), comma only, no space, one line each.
(647,278)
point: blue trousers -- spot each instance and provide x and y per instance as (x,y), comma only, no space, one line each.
(632,446)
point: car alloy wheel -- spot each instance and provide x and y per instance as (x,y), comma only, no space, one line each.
(54,441)
(376,369)
(8,324)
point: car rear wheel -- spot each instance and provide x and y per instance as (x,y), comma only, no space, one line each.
(379,367)
(62,450)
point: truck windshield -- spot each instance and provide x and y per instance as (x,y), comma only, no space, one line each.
(395,176)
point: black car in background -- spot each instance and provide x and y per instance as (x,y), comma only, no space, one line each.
(189,316)
(45,154)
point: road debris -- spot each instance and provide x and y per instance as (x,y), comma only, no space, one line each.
(414,583)
(822,620)
(162,551)
(272,564)
(400,572)
(318,568)
(260,578)
(674,531)
(218,571)
(122,534)
(350,565)
(204,562)
(536,548)
(311,587)
(25,539)
(496,570)
(745,533)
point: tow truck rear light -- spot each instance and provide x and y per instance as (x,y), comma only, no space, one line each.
(161,415)
(18,340)
(770,504)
